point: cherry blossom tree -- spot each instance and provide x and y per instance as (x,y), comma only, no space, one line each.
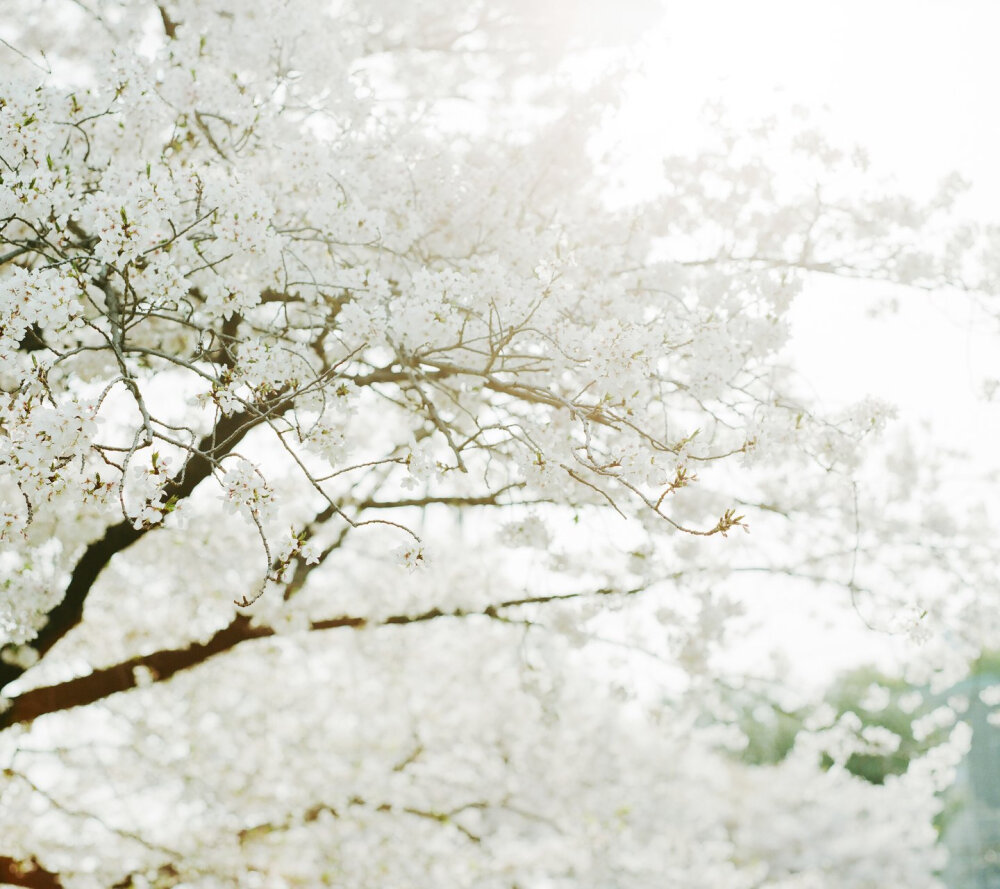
(356,446)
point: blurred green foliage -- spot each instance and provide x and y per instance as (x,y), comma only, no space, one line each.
(877,699)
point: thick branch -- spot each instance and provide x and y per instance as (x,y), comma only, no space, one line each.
(15,872)
(161,665)
(228,432)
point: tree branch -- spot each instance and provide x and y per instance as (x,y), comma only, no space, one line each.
(457,500)
(228,432)
(17,872)
(163,664)
(169,25)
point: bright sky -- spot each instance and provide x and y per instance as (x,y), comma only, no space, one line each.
(915,82)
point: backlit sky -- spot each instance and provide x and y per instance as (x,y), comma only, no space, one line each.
(916,83)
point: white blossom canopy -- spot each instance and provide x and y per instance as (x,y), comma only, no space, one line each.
(295,293)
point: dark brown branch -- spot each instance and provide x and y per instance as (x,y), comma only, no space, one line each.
(68,613)
(169,25)
(161,665)
(33,340)
(228,432)
(15,872)
(121,677)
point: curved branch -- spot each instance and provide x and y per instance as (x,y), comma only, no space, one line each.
(161,665)
(228,432)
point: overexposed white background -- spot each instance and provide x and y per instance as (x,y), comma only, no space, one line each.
(915,83)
